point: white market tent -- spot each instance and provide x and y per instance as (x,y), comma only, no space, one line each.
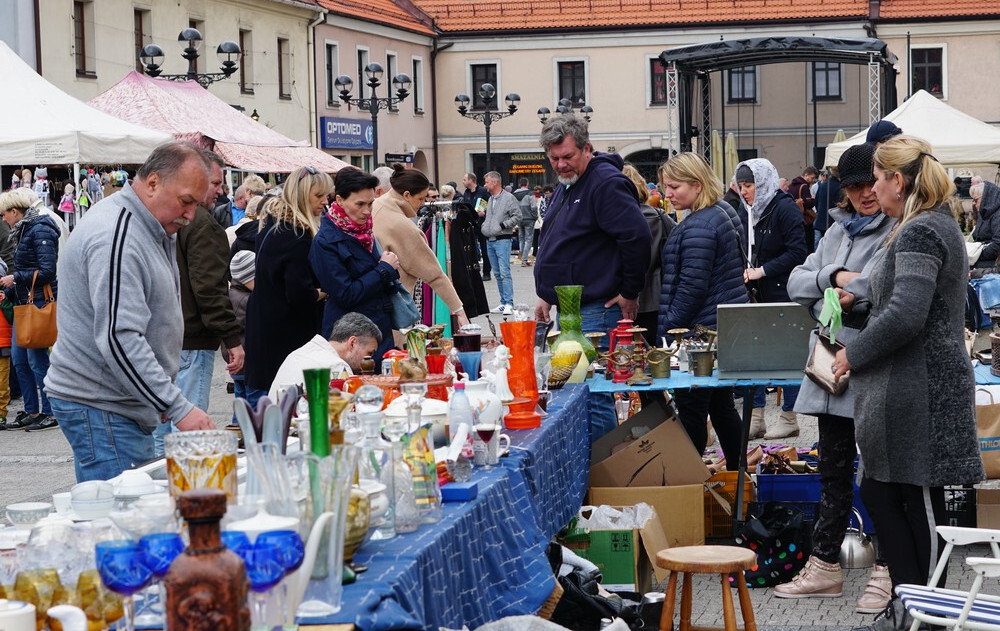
(43,125)
(959,140)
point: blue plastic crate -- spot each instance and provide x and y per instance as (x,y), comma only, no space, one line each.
(802,487)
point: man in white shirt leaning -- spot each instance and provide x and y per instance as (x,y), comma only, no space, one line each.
(353,338)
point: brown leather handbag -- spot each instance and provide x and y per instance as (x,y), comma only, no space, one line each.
(819,367)
(35,327)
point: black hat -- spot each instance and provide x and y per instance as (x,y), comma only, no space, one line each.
(881,131)
(744,174)
(855,165)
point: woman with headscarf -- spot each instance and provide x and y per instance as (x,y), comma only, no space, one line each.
(842,260)
(914,389)
(777,243)
(986,202)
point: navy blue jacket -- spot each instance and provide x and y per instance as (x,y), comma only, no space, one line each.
(354,280)
(779,246)
(38,250)
(594,235)
(702,269)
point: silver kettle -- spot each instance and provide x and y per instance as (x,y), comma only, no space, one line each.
(857,551)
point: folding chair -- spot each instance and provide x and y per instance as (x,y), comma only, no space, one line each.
(955,608)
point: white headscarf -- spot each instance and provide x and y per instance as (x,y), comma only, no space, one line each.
(766,186)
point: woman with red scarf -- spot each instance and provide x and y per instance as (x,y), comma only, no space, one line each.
(343,258)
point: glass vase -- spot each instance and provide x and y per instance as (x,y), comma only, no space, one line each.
(570,321)
(317,381)
(519,337)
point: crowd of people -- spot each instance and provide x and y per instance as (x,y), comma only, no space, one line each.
(160,276)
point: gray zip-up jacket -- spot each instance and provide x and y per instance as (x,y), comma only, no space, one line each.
(119,316)
(503,214)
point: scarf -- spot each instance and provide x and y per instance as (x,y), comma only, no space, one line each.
(858,222)
(766,185)
(30,215)
(361,232)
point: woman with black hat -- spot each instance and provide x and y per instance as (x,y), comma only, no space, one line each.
(777,245)
(840,261)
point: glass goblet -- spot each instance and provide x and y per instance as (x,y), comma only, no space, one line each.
(264,570)
(236,541)
(123,570)
(159,551)
(291,553)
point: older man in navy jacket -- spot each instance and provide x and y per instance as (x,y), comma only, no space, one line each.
(594,235)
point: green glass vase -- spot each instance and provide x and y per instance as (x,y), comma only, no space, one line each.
(570,322)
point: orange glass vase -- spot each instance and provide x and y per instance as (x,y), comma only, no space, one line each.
(519,337)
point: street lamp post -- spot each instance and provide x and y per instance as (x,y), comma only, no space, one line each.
(373,104)
(565,107)
(190,40)
(488,94)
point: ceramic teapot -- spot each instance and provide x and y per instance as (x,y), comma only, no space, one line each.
(857,551)
(486,403)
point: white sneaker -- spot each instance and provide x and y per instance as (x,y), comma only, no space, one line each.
(498,309)
(507,310)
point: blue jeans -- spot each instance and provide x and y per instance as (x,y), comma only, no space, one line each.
(789,395)
(527,233)
(30,365)
(104,444)
(499,254)
(596,318)
(195,381)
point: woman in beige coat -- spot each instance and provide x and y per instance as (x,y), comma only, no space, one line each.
(392,222)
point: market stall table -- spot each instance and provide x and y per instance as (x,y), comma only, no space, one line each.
(486,558)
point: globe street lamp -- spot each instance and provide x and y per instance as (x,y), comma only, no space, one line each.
(565,107)
(488,95)
(373,104)
(190,41)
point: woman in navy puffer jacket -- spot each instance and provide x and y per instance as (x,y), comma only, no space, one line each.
(36,240)
(702,268)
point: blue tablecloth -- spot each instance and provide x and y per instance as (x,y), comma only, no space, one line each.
(486,558)
(984,377)
(685,380)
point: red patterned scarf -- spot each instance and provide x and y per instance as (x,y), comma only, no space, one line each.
(361,232)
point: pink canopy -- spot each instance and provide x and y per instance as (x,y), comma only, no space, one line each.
(190,112)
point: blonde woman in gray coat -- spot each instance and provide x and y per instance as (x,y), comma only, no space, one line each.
(841,260)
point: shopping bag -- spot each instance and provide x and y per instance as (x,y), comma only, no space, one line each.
(35,327)
(988,430)
(782,540)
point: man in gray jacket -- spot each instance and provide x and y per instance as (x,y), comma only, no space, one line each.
(502,216)
(111,379)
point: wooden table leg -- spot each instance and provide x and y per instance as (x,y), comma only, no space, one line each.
(686,603)
(667,616)
(749,622)
(728,611)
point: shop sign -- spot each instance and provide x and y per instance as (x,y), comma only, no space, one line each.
(346,133)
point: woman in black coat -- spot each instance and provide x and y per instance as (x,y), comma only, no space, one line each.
(777,246)
(986,201)
(286,304)
(354,274)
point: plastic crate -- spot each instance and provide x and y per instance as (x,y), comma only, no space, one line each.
(808,509)
(719,523)
(805,487)
(960,505)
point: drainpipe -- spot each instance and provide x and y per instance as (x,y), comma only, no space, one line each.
(434,117)
(38,43)
(311,69)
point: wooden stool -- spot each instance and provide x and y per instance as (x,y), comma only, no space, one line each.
(721,560)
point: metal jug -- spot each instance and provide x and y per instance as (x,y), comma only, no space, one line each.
(857,551)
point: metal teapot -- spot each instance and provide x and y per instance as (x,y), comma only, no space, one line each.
(857,551)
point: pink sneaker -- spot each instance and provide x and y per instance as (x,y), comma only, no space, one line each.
(818,579)
(878,591)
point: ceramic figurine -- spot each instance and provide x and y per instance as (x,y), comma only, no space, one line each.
(501,363)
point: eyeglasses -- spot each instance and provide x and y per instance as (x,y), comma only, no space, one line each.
(308,170)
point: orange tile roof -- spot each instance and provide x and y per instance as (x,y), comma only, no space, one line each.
(899,9)
(483,15)
(386,12)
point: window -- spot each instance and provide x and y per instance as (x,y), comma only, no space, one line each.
(83,35)
(391,70)
(140,19)
(826,81)
(362,83)
(200,61)
(657,82)
(927,68)
(572,82)
(246,61)
(417,91)
(332,72)
(742,85)
(482,73)
(284,74)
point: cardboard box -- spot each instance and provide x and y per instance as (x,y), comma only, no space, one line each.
(662,456)
(987,508)
(626,558)
(680,509)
